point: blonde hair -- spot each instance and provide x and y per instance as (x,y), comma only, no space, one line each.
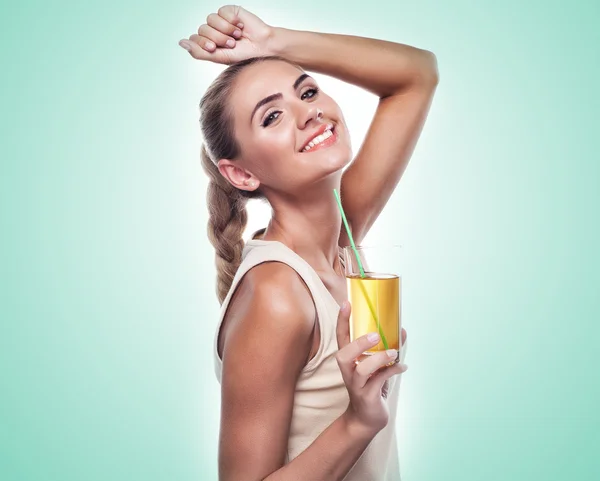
(226,204)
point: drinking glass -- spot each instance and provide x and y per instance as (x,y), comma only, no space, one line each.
(376,298)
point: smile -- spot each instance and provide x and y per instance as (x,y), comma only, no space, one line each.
(326,139)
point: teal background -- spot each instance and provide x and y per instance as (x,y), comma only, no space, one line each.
(107,297)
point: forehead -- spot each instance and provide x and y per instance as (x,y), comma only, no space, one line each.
(260,80)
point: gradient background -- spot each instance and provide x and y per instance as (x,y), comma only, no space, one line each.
(107,299)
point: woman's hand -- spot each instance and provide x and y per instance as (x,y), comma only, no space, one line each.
(366,381)
(230,35)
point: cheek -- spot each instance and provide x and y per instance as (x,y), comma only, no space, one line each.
(271,153)
(333,106)
(276,140)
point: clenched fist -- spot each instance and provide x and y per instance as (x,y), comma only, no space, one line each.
(230,35)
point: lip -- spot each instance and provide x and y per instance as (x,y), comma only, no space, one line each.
(333,139)
(319,131)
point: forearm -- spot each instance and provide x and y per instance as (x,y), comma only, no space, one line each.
(381,67)
(331,455)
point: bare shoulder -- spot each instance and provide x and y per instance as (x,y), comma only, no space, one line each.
(278,288)
(266,347)
(270,297)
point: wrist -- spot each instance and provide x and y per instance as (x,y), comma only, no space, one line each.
(356,428)
(277,41)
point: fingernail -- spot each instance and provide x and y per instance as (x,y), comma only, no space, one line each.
(186,45)
(230,42)
(241,25)
(392,353)
(373,336)
(209,45)
(237,33)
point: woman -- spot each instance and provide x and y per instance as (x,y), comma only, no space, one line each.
(295,404)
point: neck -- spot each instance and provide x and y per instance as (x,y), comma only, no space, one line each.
(310,226)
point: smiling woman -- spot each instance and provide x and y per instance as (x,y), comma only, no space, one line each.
(295,404)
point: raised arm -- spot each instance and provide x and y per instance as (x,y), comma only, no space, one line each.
(404,78)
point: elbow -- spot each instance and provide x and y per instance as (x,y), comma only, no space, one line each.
(430,75)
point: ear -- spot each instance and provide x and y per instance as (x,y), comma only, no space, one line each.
(238,177)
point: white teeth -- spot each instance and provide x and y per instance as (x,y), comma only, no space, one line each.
(318,139)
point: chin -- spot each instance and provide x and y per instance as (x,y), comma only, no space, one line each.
(334,164)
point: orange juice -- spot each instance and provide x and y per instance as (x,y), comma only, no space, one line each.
(384,296)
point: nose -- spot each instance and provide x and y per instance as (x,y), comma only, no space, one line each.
(313,113)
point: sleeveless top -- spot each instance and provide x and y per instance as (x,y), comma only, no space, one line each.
(321,395)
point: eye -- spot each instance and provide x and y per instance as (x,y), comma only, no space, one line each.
(315,91)
(270,118)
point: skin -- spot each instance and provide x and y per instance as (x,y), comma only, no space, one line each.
(299,185)
(270,330)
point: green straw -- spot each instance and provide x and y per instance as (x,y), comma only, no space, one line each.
(362,271)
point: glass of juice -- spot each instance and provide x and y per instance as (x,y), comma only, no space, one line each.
(376,297)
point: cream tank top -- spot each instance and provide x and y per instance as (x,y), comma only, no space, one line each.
(321,395)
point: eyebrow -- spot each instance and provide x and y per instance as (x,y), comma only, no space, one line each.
(270,98)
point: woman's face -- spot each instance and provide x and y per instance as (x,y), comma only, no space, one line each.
(272,133)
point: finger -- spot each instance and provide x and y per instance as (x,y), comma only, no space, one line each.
(220,39)
(219,23)
(403,336)
(377,380)
(371,364)
(232,13)
(343,325)
(196,50)
(347,355)
(203,42)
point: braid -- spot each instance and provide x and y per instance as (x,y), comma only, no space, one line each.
(226,203)
(227,220)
